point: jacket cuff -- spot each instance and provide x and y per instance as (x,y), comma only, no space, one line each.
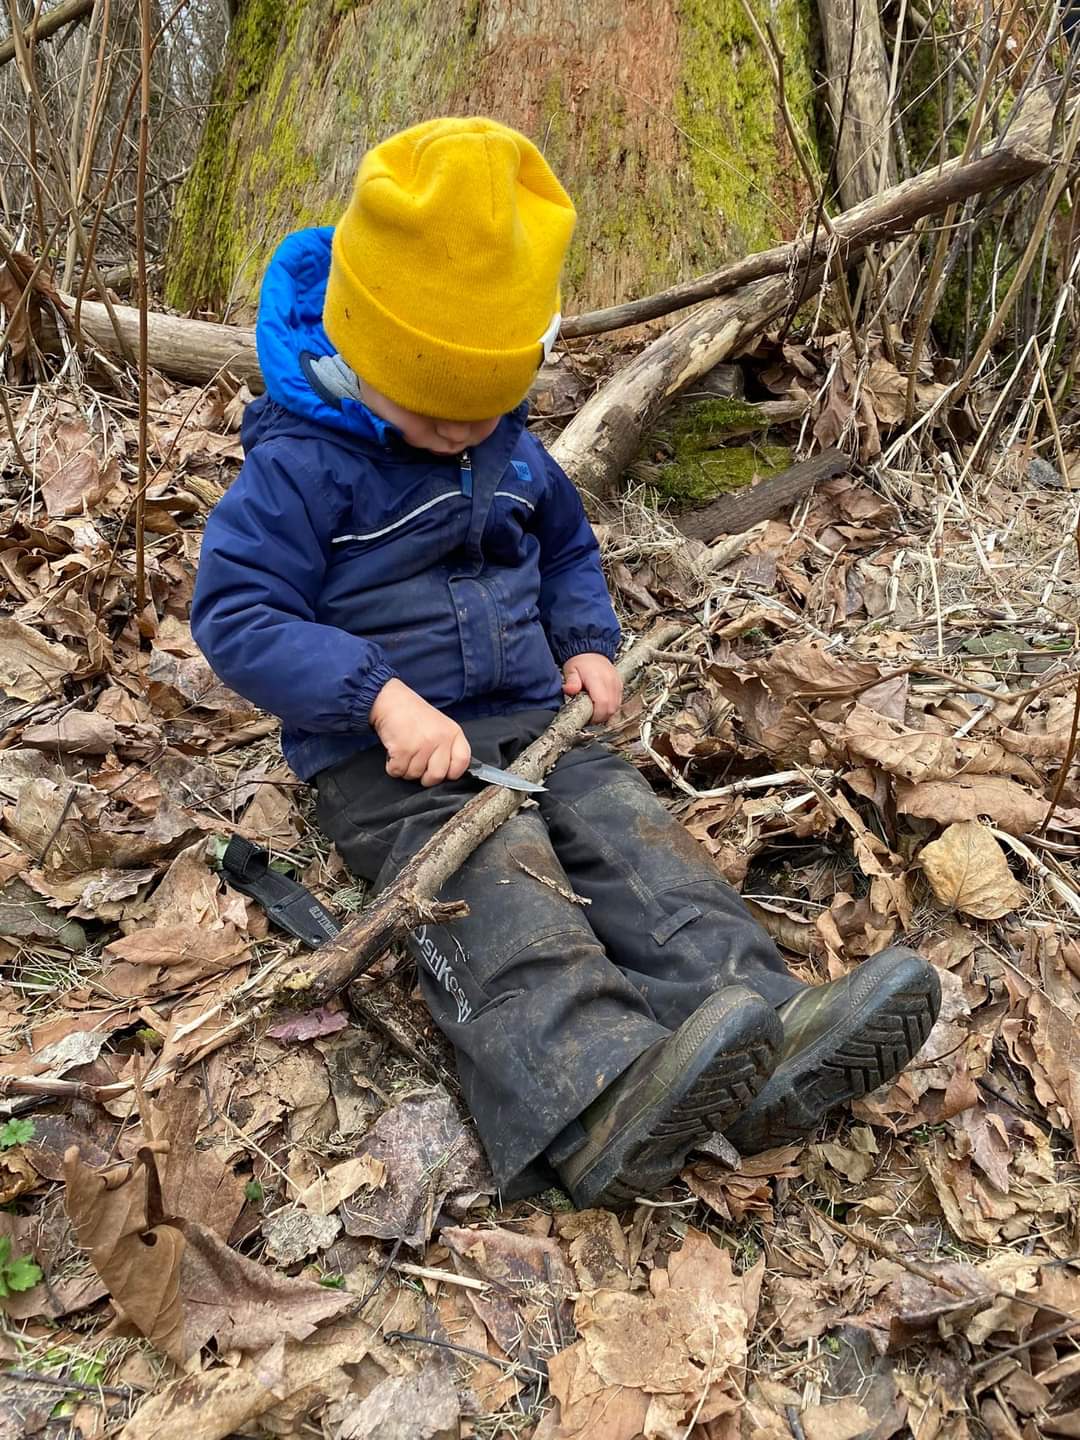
(582,642)
(372,683)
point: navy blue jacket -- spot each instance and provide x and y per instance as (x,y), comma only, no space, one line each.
(341,556)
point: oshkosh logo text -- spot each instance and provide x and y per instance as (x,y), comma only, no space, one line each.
(440,966)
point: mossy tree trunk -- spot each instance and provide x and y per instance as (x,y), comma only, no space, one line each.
(660,118)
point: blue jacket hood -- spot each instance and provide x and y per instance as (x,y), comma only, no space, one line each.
(290,327)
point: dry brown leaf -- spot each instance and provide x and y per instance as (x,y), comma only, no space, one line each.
(277,1387)
(137,1259)
(30,666)
(599,1252)
(967,871)
(1010,806)
(293,1235)
(429,1155)
(337,1184)
(195,1180)
(272,819)
(977,1210)
(174,1281)
(75,733)
(422,1406)
(71,475)
(17,1174)
(1043,1028)
(181,945)
(805,668)
(644,1361)
(837,1420)
(518,1268)
(921,754)
(66,823)
(24,915)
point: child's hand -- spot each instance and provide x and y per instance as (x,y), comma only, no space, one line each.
(421,742)
(597,676)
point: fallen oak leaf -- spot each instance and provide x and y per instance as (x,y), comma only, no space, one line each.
(967,871)
(1010,806)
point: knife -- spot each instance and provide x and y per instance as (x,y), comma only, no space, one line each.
(491,775)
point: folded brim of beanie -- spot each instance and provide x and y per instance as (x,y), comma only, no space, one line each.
(431,376)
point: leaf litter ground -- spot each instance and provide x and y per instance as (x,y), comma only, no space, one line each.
(289,1229)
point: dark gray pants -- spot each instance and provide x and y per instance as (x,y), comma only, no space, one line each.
(545,999)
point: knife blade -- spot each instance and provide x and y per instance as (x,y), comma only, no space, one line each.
(492,775)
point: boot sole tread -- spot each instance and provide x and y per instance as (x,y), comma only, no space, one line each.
(877,1050)
(725,1087)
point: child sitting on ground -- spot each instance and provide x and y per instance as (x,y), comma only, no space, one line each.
(404,575)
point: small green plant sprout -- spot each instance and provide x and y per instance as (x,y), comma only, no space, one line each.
(15,1132)
(253,1192)
(17,1273)
(332,1281)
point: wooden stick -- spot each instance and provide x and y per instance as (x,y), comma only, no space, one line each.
(409,900)
(45,25)
(442,1277)
(144,332)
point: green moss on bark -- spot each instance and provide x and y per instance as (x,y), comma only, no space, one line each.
(204,232)
(687,460)
(744,171)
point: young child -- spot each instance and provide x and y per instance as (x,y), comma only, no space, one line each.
(405,576)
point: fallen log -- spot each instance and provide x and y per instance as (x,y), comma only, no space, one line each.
(412,899)
(605,435)
(734,514)
(45,25)
(195,350)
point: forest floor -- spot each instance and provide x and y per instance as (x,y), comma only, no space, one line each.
(295,1233)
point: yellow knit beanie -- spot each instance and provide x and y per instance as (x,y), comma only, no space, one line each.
(444,279)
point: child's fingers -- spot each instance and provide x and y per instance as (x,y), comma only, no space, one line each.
(460,755)
(437,765)
(418,762)
(571,680)
(395,764)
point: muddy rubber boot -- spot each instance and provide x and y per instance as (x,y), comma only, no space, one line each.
(688,1085)
(841,1040)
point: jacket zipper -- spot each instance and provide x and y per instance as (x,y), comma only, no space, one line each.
(465,465)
